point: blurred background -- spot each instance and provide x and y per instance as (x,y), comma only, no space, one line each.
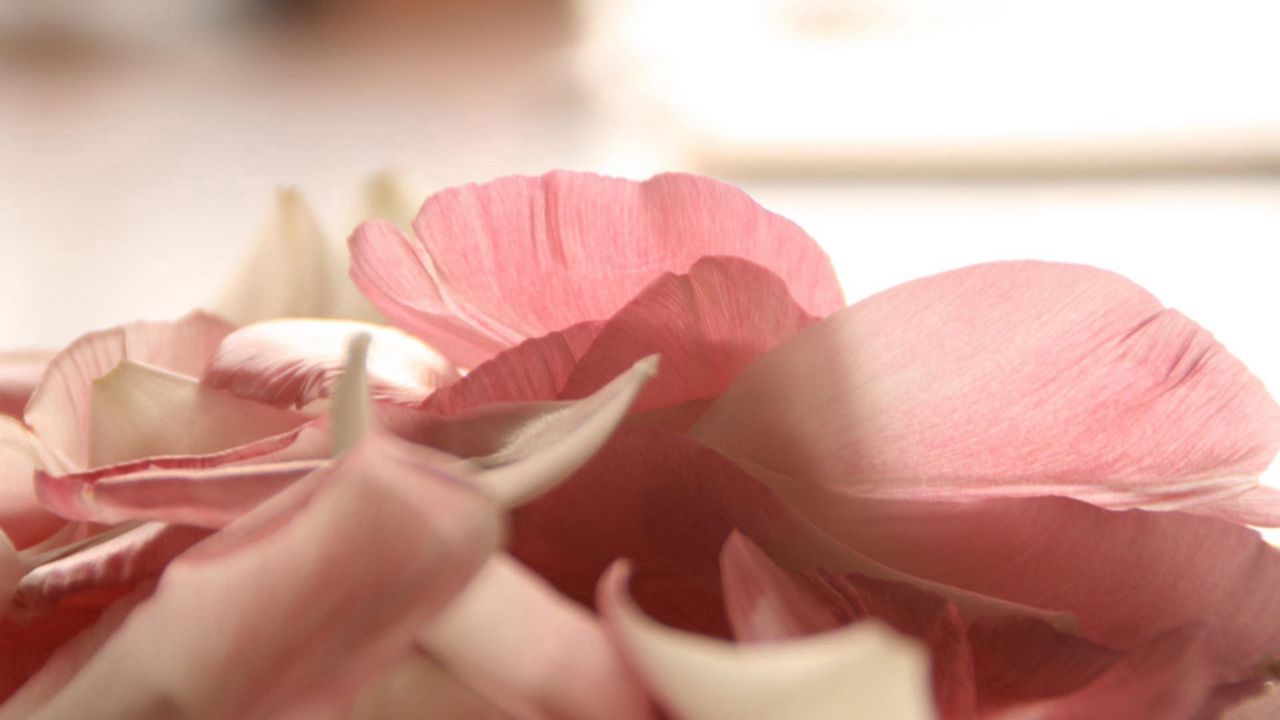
(142,141)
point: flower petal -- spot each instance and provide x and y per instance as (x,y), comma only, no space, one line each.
(22,518)
(464,283)
(303,565)
(59,410)
(530,650)
(137,411)
(863,671)
(1020,378)
(19,374)
(417,687)
(1174,569)
(294,362)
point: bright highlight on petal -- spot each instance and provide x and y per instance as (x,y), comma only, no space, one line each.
(862,671)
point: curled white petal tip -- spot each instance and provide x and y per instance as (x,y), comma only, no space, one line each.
(350,410)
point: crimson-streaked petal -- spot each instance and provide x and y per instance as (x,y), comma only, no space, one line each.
(22,518)
(140,553)
(530,650)
(304,565)
(1006,379)
(294,362)
(492,265)
(862,671)
(19,374)
(137,411)
(200,497)
(1125,575)
(669,504)
(59,410)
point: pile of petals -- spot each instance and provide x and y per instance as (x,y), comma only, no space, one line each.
(620,450)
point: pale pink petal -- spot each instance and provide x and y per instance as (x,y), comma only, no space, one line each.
(492,265)
(535,369)
(862,671)
(298,603)
(1264,706)
(137,411)
(1018,378)
(669,504)
(1127,576)
(531,651)
(417,688)
(19,374)
(22,518)
(59,410)
(139,553)
(294,362)
(201,497)
(708,325)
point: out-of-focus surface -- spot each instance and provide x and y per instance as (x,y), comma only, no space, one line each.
(141,141)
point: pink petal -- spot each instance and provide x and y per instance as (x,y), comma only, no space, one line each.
(495,264)
(531,651)
(19,374)
(59,410)
(862,671)
(418,687)
(669,504)
(201,497)
(291,363)
(22,518)
(1265,706)
(1020,378)
(138,411)
(1127,576)
(137,554)
(288,591)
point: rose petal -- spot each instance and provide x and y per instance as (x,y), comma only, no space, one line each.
(288,589)
(1127,576)
(495,264)
(862,671)
(19,374)
(59,410)
(138,411)
(531,651)
(22,518)
(292,363)
(417,687)
(1019,378)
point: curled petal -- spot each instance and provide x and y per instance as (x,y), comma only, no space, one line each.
(59,410)
(1007,379)
(294,362)
(532,651)
(305,565)
(19,374)
(22,518)
(138,411)
(862,671)
(495,264)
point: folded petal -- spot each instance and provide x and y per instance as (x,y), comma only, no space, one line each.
(1126,576)
(294,362)
(530,650)
(1007,379)
(22,518)
(304,566)
(19,374)
(863,671)
(492,265)
(137,411)
(112,560)
(59,410)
